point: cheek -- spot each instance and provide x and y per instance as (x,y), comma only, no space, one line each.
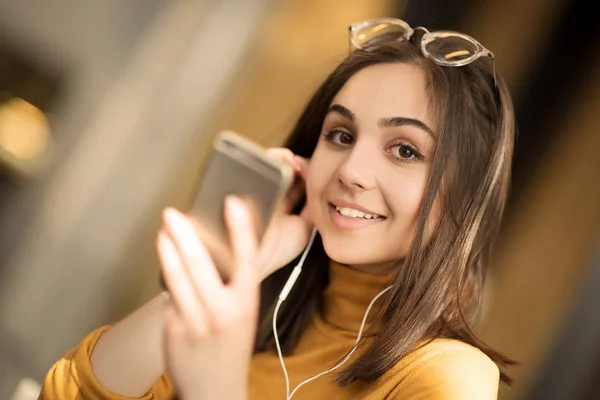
(315,185)
(405,199)
(406,207)
(321,172)
(313,189)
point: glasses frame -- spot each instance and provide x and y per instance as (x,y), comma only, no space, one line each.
(427,37)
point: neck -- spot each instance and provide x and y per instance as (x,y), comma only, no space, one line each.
(348,295)
(384,268)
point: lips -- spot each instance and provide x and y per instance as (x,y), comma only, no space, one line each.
(354,213)
(353,210)
(355,218)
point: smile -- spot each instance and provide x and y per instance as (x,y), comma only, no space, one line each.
(352,213)
(351,219)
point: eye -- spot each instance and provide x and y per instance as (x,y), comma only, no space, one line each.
(339,137)
(405,152)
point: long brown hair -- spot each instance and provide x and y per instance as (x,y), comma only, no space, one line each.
(437,291)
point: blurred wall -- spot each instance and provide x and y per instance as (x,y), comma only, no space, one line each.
(71,42)
(547,245)
(543,259)
(299,44)
(67,276)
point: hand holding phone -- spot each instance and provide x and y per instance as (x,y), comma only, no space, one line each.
(289,231)
(263,180)
(270,187)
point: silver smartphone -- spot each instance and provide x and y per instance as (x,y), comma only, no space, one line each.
(237,166)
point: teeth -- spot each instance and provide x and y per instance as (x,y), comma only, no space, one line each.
(352,213)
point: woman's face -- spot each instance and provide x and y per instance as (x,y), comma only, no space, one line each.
(369,171)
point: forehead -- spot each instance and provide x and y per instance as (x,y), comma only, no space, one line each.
(387,90)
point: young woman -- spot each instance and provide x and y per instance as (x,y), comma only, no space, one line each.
(403,157)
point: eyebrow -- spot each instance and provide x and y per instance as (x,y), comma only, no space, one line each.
(384,122)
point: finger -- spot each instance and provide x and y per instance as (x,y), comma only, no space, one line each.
(297,233)
(286,155)
(302,164)
(199,264)
(299,164)
(294,195)
(243,242)
(178,334)
(177,281)
(172,323)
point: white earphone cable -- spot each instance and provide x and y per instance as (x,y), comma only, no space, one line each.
(343,361)
(287,378)
(283,295)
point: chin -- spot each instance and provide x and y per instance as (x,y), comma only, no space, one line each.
(347,253)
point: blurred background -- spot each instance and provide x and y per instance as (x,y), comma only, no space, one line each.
(107,109)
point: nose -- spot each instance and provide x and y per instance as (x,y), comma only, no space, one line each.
(356,172)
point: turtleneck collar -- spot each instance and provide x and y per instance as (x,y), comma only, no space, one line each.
(346,298)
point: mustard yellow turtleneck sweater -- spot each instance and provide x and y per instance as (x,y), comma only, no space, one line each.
(443,369)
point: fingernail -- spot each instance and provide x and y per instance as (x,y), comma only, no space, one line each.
(161,238)
(165,247)
(171,216)
(302,162)
(233,205)
(299,162)
(301,166)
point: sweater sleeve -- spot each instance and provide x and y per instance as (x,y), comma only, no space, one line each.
(449,371)
(72,377)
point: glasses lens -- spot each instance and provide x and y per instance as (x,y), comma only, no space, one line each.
(450,48)
(379,33)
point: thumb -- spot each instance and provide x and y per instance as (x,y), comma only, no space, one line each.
(293,234)
(298,230)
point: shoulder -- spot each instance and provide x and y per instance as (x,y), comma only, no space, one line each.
(446,369)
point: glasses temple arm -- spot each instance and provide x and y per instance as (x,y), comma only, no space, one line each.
(349,39)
